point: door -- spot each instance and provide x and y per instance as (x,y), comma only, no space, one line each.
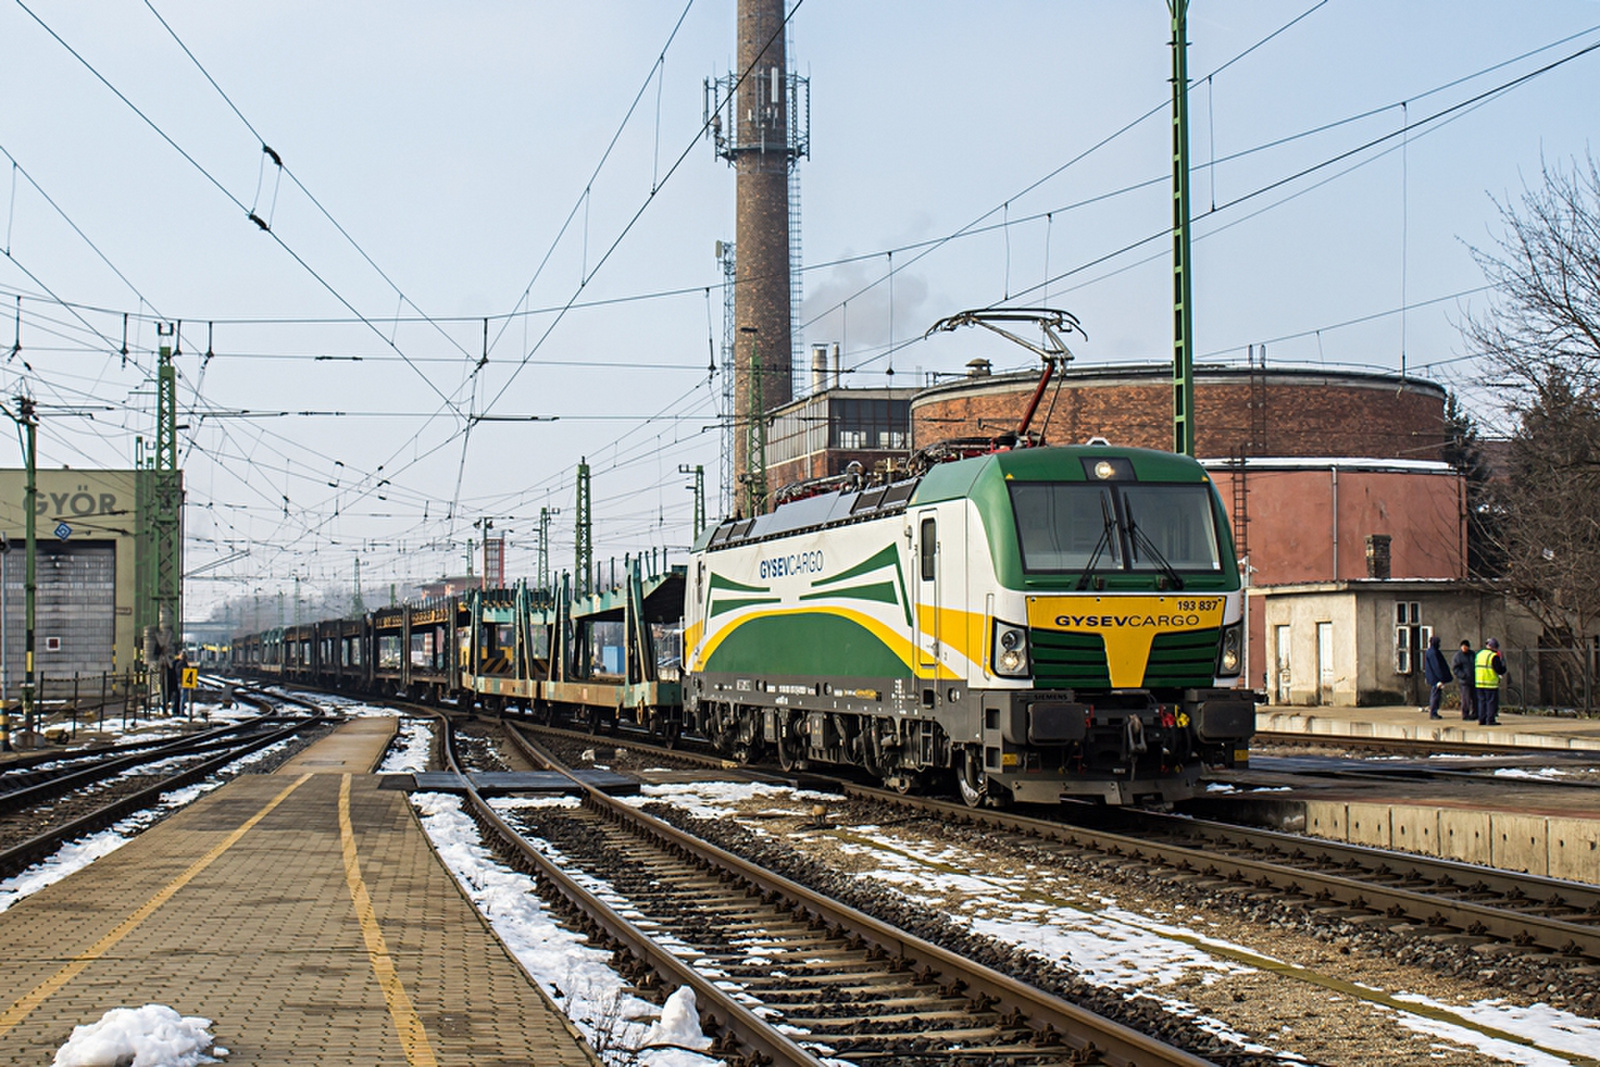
(927,590)
(1325,663)
(1281,646)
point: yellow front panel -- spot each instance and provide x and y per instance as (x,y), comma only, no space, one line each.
(1127,624)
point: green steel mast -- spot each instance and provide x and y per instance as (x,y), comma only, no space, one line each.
(699,488)
(583,562)
(755,434)
(1182,287)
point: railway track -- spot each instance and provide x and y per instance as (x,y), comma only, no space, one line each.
(849,984)
(43,817)
(1431,897)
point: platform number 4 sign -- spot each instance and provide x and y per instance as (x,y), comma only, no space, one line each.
(191,678)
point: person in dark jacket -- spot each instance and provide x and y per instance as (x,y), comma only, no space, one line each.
(1462,667)
(1436,672)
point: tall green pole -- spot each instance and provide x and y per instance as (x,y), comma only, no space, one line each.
(756,435)
(583,560)
(699,487)
(1182,290)
(544,549)
(30,577)
(166,517)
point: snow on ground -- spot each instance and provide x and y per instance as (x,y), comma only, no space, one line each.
(409,751)
(151,1036)
(1118,948)
(78,854)
(1538,773)
(576,975)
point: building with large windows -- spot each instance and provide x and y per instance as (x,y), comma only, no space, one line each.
(821,435)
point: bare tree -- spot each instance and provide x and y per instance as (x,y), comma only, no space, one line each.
(1542,333)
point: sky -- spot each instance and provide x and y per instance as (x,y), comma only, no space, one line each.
(489,250)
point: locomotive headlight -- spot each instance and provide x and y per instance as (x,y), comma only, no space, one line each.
(1010,650)
(1232,654)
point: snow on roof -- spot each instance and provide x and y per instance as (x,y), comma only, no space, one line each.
(1288,463)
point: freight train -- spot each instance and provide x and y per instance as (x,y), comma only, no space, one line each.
(1023,624)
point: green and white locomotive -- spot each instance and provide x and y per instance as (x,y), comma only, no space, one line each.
(1044,623)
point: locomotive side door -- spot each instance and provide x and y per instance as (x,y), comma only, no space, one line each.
(927,540)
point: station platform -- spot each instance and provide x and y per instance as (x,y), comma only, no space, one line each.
(1480,810)
(1524,731)
(303,912)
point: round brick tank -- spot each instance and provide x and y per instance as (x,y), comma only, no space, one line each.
(1238,410)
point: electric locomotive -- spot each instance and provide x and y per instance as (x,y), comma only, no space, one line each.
(1046,623)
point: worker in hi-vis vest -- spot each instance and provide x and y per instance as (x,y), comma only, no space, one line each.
(1487,669)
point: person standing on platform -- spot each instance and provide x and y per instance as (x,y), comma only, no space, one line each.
(175,670)
(1486,681)
(1462,666)
(1436,672)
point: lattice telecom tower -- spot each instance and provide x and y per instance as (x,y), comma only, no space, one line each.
(759,120)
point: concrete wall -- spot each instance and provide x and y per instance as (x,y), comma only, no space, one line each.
(1549,845)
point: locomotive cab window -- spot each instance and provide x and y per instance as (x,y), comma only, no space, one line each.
(1063,526)
(1173,524)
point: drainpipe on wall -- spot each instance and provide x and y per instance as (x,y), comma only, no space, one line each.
(1336,524)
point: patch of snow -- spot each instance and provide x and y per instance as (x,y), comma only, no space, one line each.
(152,1036)
(410,750)
(679,1023)
(1547,1037)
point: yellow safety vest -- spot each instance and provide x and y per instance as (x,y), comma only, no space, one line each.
(1483,669)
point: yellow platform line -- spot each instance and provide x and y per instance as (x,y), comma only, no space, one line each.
(50,986)
(413,1037)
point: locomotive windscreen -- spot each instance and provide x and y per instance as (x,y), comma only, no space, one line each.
(1070,526)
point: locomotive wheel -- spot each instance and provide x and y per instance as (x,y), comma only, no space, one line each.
(789,748)
(971,779)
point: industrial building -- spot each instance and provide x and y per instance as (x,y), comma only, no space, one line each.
(89,557)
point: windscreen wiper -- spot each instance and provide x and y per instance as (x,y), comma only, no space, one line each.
(1100,545)
(1139,537)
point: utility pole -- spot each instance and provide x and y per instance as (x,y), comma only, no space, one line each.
(30,588)
(699,488)
(28,428)
(358,606)
(755,434)
(583,558)
(161,521)
(544,548)
(1182,282)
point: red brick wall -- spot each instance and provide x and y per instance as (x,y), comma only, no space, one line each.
(1302,414)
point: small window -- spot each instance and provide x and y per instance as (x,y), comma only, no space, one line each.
(930,543)
(1402,649)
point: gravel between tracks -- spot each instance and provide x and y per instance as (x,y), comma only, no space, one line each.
(1314,1016)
